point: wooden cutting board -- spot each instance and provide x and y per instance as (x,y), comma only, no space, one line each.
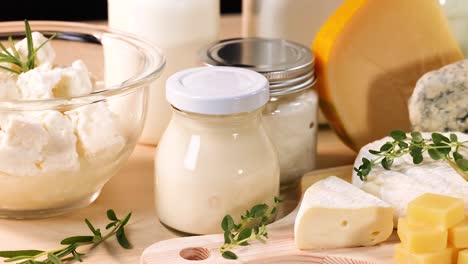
(279,247)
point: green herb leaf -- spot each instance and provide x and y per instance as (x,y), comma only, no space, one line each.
(91,227)
(245,234)
(453,137)
(457,156)
(122,238)
(29,40)
(398,135)
(229,255)
(386,147)
(228,223)
(438,146)
(54,259)
(417,137)
(374,152)
(387,163)
(259,210)
(16,253)
(126,219)
(65,254)
(76,239)
(435,154)
(463,164)
(438,138)
(111,215)
(112,224)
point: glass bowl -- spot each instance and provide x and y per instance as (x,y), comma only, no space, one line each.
(46,170)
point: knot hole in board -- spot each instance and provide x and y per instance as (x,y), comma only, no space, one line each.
(195,253)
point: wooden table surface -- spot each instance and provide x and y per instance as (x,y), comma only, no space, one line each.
(132,190)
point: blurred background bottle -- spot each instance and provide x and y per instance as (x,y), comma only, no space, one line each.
(180,28)
(294,20)
(457,14)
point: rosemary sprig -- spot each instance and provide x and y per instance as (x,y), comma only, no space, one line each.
(251,227)
(13,57)
(69,251)
(439,147)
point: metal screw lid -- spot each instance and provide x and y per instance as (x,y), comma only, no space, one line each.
(288,66)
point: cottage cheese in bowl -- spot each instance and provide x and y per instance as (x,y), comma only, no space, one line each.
(60,140)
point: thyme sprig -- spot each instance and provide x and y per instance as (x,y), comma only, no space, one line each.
(438,146)
(13,57)
(252,226)
(71,244)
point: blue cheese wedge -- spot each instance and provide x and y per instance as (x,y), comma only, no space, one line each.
(440,100)
(336,214)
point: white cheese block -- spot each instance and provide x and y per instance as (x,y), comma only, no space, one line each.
(8,88)
(39,82)
(75,81)
(440,100)
(35,143)
(45,55)
(335,214)
(97,128)
(406,181)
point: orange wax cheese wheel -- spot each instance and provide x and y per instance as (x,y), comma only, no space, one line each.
(369,55)
(436,210)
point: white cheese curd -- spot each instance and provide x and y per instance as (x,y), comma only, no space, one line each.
(38,83)
(75,81)
(8,90)
(406,181)
(97,131)
(45,55)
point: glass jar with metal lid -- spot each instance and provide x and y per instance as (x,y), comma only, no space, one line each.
(291,114)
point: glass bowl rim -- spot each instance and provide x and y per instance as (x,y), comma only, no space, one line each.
(154,62)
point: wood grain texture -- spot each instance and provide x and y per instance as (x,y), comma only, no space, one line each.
(279,247)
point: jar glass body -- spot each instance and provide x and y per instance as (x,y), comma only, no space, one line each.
(169,24)
(291,122)
(209,166)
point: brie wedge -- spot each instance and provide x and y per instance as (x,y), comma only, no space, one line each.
(335,214)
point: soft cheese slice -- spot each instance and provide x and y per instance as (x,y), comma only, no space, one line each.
(335,214)
(406,181)
(369,56)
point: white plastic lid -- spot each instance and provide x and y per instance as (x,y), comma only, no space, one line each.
(217,90)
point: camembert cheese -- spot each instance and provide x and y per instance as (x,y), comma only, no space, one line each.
(335,214)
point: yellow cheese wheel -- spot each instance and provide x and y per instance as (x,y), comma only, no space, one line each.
(369,55)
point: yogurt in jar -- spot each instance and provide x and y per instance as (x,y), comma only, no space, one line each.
(215,158)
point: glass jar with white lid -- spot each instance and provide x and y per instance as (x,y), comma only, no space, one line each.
(291,113)
(215,157)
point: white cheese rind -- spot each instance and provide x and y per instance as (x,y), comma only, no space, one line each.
(440,100)
(334,214)
(406,181)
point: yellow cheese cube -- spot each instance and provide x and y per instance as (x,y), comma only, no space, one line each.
(421,239)
(463,257)
(403,256)
(458,235)
(436,210)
